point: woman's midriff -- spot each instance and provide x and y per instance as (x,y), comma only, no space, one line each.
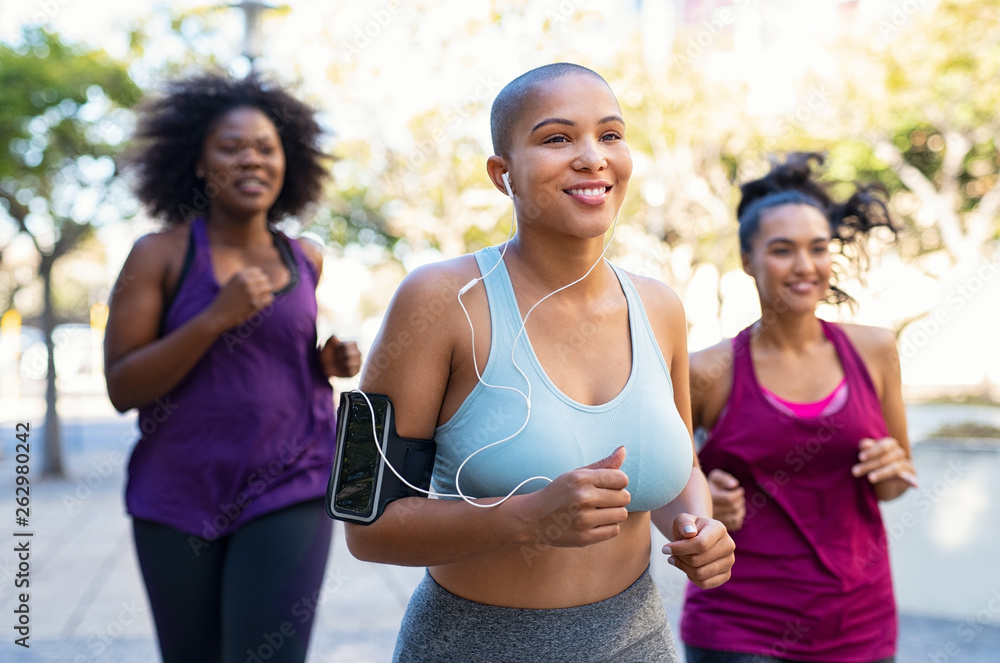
(538,575)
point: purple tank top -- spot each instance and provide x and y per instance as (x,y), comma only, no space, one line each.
(251,428)
(811,580)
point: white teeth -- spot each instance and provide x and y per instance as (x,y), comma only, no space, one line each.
(588,192)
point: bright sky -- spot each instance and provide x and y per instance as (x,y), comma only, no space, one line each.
(397,57)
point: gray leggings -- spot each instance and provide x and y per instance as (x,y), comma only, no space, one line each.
(439,627)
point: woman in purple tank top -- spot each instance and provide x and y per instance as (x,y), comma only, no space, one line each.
(212,337)
(806,431)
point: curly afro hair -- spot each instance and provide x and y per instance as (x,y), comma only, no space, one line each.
(171,133)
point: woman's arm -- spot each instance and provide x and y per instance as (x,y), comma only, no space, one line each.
(587,506)
(887,462)
(700,546)
(139,365)
(413,361)
(339,358)
(711,375)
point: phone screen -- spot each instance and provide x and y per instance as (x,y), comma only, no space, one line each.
(360,464)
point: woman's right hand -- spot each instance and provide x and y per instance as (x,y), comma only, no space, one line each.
(581,507)
(141,363)
(728,504)
(245,293)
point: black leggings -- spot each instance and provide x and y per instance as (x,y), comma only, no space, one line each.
(248,596)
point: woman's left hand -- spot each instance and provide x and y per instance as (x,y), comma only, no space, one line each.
(884,459)
(701,548)
(340,359)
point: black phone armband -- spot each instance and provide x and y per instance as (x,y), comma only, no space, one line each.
(360,484)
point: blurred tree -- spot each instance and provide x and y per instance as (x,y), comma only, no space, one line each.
(686,140)
(62,118)
(924,96)
(427,179)
(410,185)
(167,44)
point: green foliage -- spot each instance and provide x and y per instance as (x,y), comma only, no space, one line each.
(350,218)
(62,119)
(917,111)
(63,116)
(967,429)
(51,98)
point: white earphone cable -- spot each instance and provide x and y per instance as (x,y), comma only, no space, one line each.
(479,377)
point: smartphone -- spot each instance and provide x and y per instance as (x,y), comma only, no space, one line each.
(360,483)
(360,465)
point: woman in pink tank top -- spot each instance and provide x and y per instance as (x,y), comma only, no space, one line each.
(806,433)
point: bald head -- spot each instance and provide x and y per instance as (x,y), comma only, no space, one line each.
(517,94)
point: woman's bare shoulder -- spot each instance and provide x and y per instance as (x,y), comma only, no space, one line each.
(157,256)
(164,242)
(711,363)
(436,282)
(868,339)
(658,298)
(877,347)
(425,310)
(313,251)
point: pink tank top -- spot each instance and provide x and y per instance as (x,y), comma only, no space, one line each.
(811,580)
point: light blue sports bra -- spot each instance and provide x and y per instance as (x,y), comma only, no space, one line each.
(562,434)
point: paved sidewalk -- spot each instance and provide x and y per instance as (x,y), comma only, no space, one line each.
(87,602)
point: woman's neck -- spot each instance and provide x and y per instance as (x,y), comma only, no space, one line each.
(237,231)
(547,266)
(787,332)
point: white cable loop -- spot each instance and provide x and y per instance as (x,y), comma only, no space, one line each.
(527,397)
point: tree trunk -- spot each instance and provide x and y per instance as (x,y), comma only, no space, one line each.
(52,460)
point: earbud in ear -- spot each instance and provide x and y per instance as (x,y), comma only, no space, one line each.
(506,183)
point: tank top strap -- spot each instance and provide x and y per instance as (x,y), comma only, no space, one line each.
(855,371)
(199,234)
(197,260)
(635,307)
(505,316)
(286,243)
(644,344)
(201,258)
(294,257)
(744,382)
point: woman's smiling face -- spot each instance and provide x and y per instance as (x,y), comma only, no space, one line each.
(790,257)
(569,164)
(242,162)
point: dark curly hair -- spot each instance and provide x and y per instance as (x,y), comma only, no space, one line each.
(851,221)
(171,133)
